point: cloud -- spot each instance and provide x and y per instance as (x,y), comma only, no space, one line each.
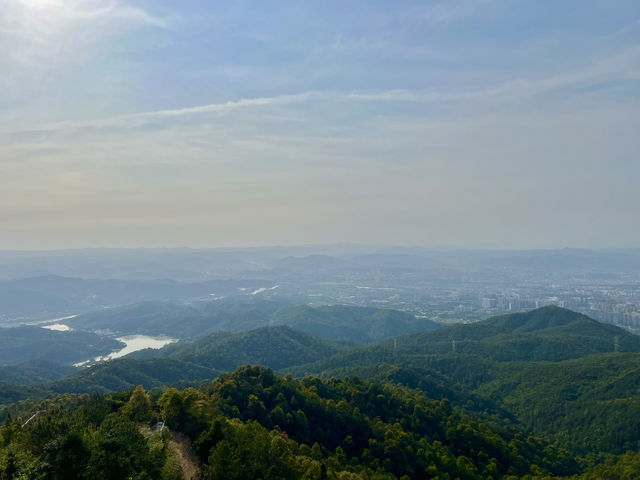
(624,65)
(630,27)
(225,107)
(127,126)
(140,119)
(232,176)
(91,11)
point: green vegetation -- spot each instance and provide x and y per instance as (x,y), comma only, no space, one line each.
(13,393)
(126,373)
(357,324)
(548,333)
(275,347)
(148,318)
(81,438)
(254,424)
(22,344)
(536,395)
(338,322)
(205,359)
(578,395)
(34,372)
(185,364)
(587,404)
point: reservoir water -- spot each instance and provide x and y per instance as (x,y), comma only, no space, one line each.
(132,343)
(58,327)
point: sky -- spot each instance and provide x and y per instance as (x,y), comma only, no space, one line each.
(488,124)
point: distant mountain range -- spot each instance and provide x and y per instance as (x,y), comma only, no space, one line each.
(339,322)
(557,373)
(198,265)
(38,285)
(548,333)
(52,295)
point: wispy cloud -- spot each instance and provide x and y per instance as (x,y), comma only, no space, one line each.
(86,10)
(139,119)
(224,107)
(625,65)
(193,122)
(626,29)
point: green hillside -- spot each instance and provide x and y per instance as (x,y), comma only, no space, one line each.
(548,333)
(275,347)
(575,392)
(34,372)
(189,322)
(358,324)
(253,424)
(26,343)
(423,411)
(125,373)
(14,393)
(429,381)
(150,318)
(585,404)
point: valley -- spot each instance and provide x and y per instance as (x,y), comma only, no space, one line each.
(560,382)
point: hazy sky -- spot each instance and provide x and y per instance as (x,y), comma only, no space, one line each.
(466,123)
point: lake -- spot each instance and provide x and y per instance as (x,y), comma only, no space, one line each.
(132,343)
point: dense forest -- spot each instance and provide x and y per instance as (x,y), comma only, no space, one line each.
(254,424)
(535,395)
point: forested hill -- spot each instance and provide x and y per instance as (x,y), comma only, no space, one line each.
(31,343)
(585,403)
(253,424)
(189,322)
(577,392)
(275,347)
(34,372)
(548,333)
(358,324)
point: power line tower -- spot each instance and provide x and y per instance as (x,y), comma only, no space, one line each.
(395,347)
(616,344)
(453,346)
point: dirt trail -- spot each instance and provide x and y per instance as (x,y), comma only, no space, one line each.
(186,457)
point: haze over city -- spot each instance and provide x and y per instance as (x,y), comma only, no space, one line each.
(462,123)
